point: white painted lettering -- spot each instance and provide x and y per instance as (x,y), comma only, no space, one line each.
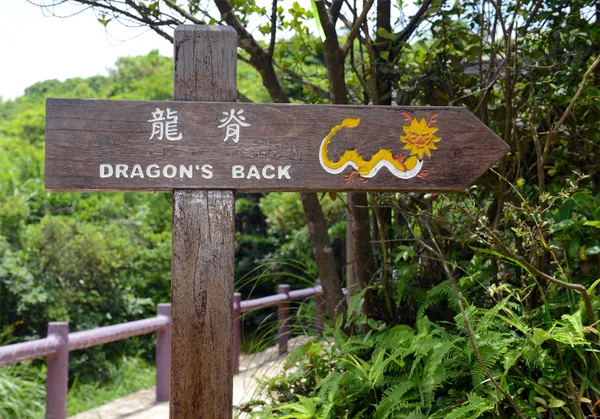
(207,172)
(283,171)
(237,171)
(106,170)
(267,175)
(169,171)
(253,172)
(185,170)
(137,171)
(153,171)
(121,170)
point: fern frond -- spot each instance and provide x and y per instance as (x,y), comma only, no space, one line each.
(440,292)
(474,407)
(392,400)
(305,408)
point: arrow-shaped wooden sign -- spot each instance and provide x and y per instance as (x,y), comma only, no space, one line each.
(159,146)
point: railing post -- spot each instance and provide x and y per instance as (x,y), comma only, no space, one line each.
(57,372)
(319,309)
(163,356)
(283,314)
(237,330)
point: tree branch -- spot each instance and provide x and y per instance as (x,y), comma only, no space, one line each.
(334,10)
(326,23)
(143,19)
(184,12)
(570,107)
(354,31)
(414,23)
(532,15)
(273,30)
(333,57)
(243,98)
(296,77)
(259,59)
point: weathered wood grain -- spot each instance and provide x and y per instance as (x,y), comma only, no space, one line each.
(202,301)
(83,134)
(203,246)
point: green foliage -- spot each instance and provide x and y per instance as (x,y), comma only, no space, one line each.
(22,391)
(544,355)
(432,372)
(148,77)
(287,225)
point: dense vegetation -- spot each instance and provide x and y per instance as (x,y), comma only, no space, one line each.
(479,304)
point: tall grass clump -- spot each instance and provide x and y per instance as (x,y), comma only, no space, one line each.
(22,391)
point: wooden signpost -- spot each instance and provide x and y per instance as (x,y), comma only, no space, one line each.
(204,146)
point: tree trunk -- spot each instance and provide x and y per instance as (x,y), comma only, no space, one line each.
(323,254)
(366,267)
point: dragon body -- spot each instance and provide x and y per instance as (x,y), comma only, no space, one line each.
(399,166)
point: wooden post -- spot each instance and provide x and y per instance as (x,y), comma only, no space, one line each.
(237,330)
(319,310)
(203,244)
(283,314)
(163,356)
(58,372)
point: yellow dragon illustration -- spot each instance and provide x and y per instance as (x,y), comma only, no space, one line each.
(420,139)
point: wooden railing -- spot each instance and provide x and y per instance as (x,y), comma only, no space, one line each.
(282,301)
(59,342)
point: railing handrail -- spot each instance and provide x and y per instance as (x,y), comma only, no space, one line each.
(24,351)
(106,334)
(55,346)
(42,348)
(273,300)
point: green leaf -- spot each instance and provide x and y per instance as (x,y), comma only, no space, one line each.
(104,20)
(594,250)
(385,34)
(431,11)
(567,210)
(338,322)
(592,224)
(564,224)
(573,246)
(592,92)
(372,323)
(591,288)
(265,29)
